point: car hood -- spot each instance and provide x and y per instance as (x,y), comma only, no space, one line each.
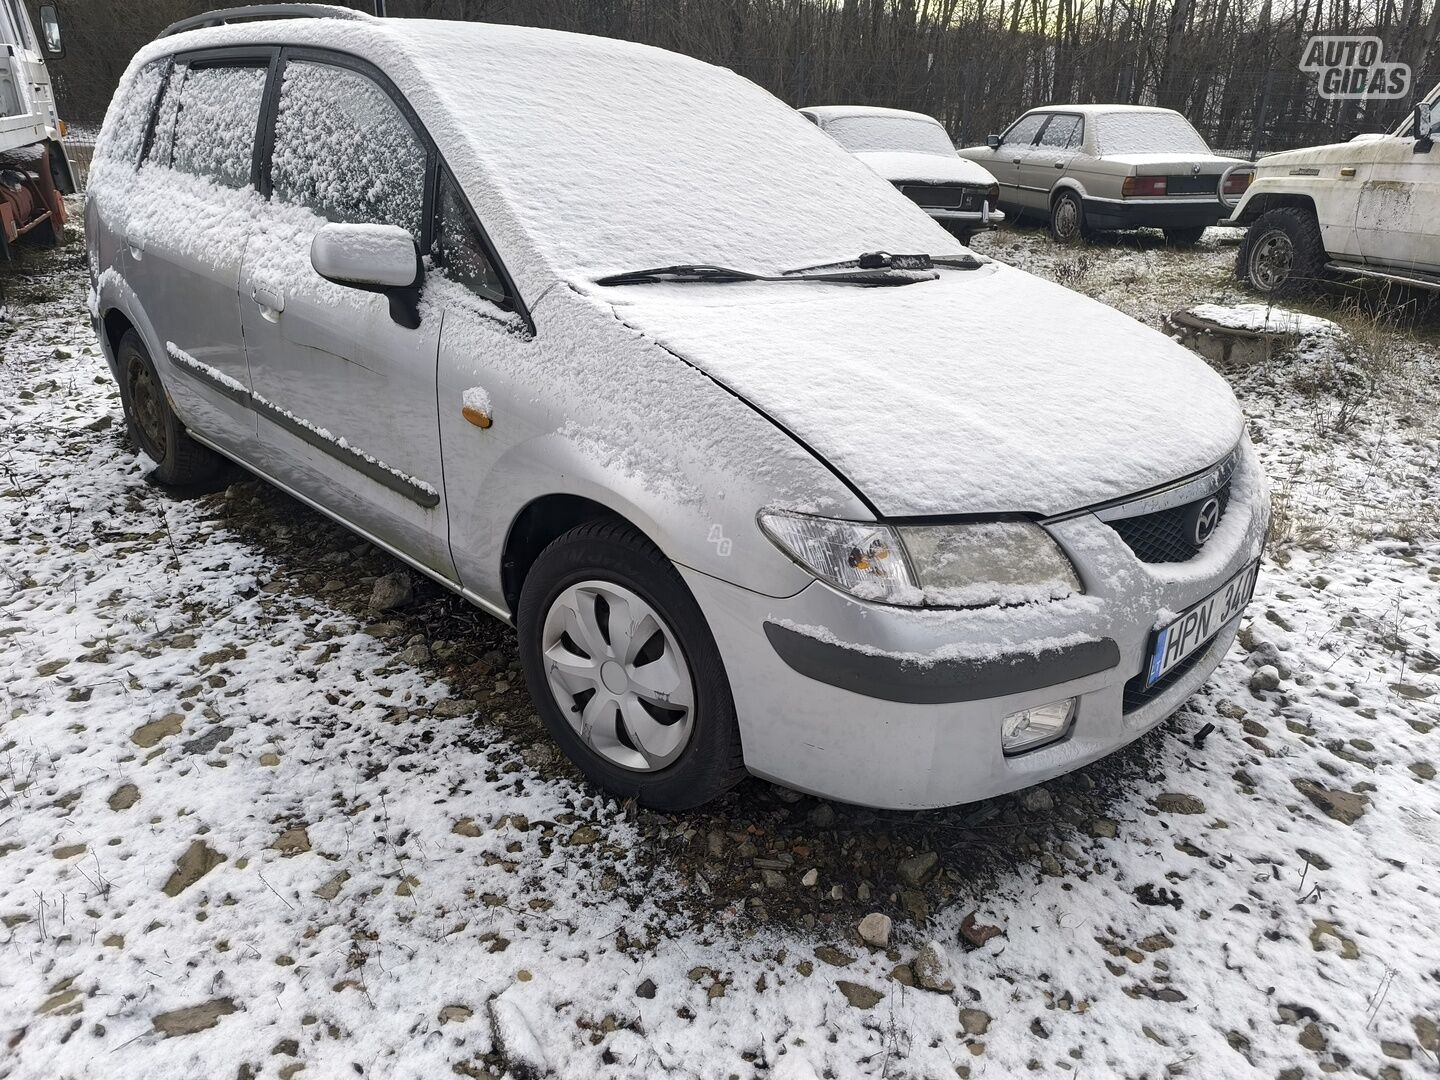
(984,391)
(898,167)
(1354,152)
(1173,163)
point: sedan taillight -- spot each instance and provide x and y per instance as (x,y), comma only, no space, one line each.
(1237,183)
(1143,185)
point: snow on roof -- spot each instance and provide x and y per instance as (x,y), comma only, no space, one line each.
(1101,109)
(586,155)
(829,112)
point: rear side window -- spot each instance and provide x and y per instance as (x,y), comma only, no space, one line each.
(218,112)
(344,149)
(124,131)
(1024,130)
(1062,132)
(459,247)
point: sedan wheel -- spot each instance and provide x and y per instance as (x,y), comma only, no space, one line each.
(618,673)
(1067,219)
(179,459)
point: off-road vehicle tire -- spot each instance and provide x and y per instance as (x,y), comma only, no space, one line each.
(1283,253)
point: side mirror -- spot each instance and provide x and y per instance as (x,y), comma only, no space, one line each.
(50,31)
(373,258)
(993,142)
(1427,126)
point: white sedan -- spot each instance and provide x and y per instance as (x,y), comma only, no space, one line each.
(914,152)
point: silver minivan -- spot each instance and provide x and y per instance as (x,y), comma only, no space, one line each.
(768,471)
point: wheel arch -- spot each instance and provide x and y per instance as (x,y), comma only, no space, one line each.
(1264,201)
(1065,184)
(540,523)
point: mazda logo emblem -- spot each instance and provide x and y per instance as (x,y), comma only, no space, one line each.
(1202,521)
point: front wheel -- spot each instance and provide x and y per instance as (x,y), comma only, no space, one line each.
(624,671)
(1283,252)
(1067,219)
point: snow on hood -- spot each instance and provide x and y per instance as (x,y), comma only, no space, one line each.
(985,391)
(898,166)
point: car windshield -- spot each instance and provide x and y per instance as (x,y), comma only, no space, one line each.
(879,134)
(1147,133)
(600,156)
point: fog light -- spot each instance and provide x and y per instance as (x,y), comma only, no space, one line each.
(1030,728)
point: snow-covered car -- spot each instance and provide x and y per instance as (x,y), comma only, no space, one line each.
(1092,168)
(914,152)
(1367,208)
(627,365)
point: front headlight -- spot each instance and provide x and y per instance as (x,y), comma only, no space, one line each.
(975,564)
(981,563)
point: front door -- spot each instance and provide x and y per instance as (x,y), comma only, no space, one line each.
(1399,219)
(1016,146)
(345,396)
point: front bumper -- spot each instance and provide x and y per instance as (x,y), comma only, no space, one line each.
(1177,212)
(902,708)
(981,219)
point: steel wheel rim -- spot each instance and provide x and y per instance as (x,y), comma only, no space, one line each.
(616,670)
(1067,219)
(1271,261)
(145,404)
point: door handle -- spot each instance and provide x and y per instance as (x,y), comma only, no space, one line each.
(1059,164)
(271,302)
(1014,161)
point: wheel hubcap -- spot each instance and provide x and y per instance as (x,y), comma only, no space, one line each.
(618,674)
(146,403)
(1067,218)
(1271,260)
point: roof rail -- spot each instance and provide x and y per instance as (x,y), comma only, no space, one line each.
(262,11)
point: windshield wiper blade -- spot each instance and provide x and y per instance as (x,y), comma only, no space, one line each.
(682,272)
(851,274)
(875,261)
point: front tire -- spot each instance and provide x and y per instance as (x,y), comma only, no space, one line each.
(624,671)
(1067,219)
(1283,253)
(179,460)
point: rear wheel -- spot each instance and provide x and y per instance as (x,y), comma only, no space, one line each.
(624,670)
(179,460)
(1187,237)
(1067,219)
(1283,252)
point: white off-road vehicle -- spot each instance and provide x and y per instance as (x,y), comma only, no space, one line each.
(1368,207)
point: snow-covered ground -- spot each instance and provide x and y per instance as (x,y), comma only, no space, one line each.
(266,805)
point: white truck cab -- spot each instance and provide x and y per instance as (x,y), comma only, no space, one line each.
(1369,207)
(34,169)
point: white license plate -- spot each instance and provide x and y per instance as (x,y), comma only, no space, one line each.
(1194,629)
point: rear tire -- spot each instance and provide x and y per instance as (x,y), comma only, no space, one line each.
(179,460)
(1067,219)
(1283,253)
(1187,237)
(592,678)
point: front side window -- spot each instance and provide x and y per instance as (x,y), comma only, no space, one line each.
(1063,132)
(344,149)
(1024,130)
(218,111)
(459,247)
